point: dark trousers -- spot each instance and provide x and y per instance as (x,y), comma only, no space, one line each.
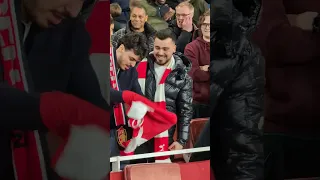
(291,157)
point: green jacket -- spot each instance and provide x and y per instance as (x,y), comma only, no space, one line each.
(200,7)
(156,22)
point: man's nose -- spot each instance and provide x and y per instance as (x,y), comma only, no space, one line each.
(160,52)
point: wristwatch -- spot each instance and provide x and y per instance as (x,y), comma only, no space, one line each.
(316,24)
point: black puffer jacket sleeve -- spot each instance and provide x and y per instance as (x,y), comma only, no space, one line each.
(184,110)
(237,84)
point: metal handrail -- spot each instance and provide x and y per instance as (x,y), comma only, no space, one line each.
(117,160)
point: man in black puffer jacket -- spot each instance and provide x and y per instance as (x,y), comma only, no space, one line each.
(177,86)
(237,78)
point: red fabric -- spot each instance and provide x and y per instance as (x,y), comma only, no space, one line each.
(198,52)
(25,159)
(99,28)
(154,122)
(118,110)
(161,141)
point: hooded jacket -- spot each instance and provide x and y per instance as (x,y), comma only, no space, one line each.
(198,52)
(237,91)
(57,60)
(178,92)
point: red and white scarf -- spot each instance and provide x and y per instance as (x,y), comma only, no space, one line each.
(28,160)
(161,141)
(118,109)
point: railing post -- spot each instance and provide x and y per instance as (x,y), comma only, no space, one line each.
(116,165)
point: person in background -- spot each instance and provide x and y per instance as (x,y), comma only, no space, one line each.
(167,82)
(291,127)
(125,15)
(173,3)
(164,11)
(115,11)
(132,49)
(198,52)
(200,7)
(183,27)
(137,23)
(237,91)
(156,21)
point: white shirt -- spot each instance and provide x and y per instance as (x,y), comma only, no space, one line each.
(159,70)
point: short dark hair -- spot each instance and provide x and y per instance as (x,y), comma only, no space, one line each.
(115,10)
(139,5)
(165,34)
(135,41)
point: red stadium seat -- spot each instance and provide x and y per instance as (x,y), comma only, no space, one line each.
(152,172)
(196,126)
(187,171)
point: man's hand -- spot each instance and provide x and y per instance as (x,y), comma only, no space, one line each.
(187,24)
(204,68)
(303,21)
(175,146)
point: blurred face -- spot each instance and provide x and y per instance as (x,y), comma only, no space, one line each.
(163,50)
(126,58)
(138,18)
(182,13)
(205,27)
(161,1)
(51,12)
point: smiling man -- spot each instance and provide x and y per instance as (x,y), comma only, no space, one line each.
(46,82)
(163,78)
(137,23)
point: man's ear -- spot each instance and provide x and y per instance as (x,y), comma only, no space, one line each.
(122,48)
(146,19)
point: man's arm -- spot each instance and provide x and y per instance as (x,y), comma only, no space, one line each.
(19,110)
(83,81)
(184,111)
(196,73)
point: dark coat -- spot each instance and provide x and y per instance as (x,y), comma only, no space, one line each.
(182,37)
(128,80)
(237,92)
(178,92)
(57,59)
